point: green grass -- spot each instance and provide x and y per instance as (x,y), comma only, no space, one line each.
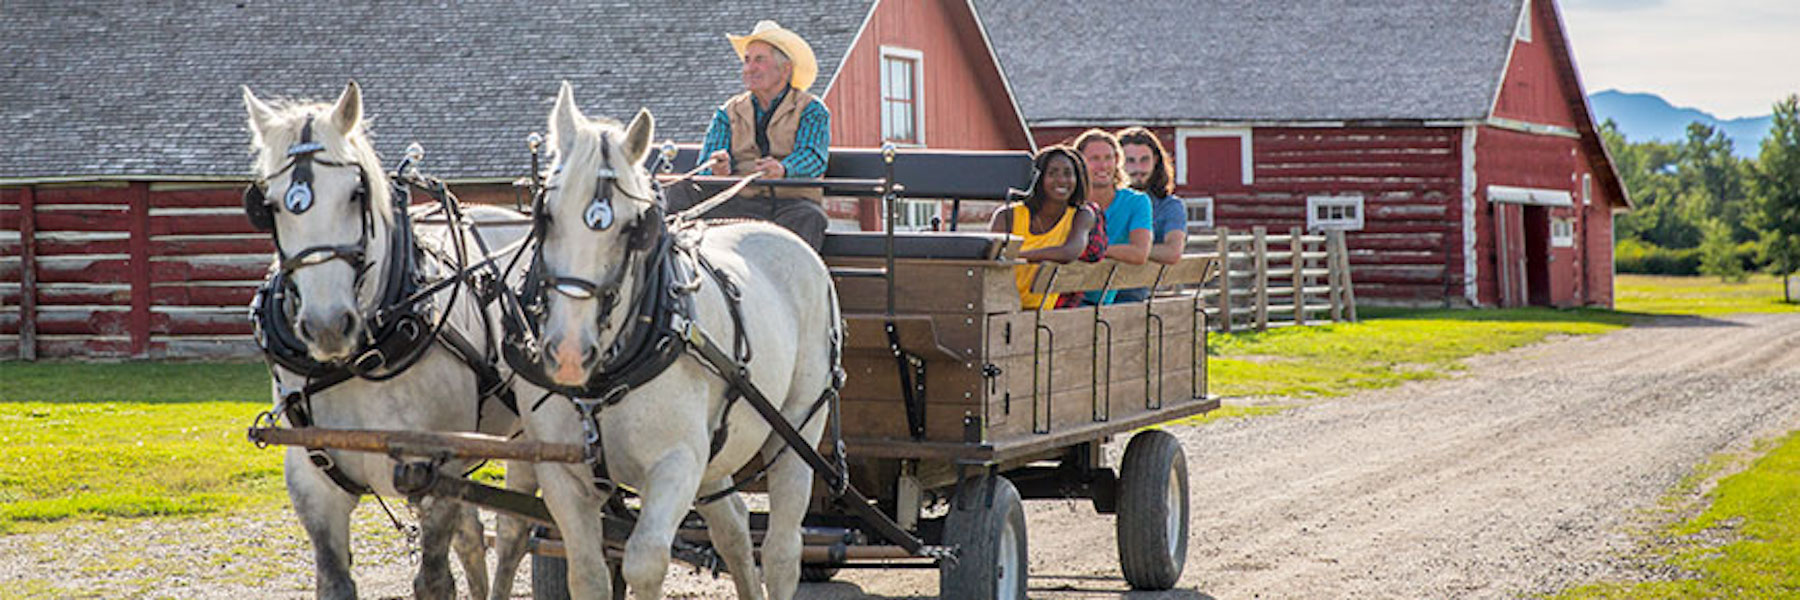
(133,382)
(1746,544)
(98,441)
(1699,296)
(1386,349)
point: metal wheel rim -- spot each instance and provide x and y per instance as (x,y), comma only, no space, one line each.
(1011,566)
(1172,496)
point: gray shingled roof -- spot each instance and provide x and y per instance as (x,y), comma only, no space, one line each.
(1267,60)
(129,89)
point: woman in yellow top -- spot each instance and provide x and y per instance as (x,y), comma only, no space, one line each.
(1051,216)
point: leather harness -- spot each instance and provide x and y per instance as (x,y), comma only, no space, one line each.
(399,332)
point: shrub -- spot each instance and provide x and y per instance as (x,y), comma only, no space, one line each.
(1633,256)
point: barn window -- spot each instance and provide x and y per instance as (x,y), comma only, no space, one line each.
(902,107)
(915,215)
(1199,214)
(1562,232)
(1334,212)
(1587,188)
(1524,31)
(1213,158)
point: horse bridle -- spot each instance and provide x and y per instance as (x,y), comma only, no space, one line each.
(643,234)
(298,198)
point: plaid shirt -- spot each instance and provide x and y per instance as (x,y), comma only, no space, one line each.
(811,142)
(1096,250)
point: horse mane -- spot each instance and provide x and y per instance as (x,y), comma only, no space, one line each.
(584,152)
(269,146)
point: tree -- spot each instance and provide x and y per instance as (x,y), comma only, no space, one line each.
(1777,186)
(1717,253)
(1708,171)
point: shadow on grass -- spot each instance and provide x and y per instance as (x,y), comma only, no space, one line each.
(1537,314)
(140,382)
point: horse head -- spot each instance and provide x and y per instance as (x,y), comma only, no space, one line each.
(599,213)
(321,194)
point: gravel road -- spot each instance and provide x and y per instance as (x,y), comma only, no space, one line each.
(1524,475)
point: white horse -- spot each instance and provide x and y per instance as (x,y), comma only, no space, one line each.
(327,203)
(659,438)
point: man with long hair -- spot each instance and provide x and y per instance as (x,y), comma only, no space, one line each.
(1147,165)
(1127,211)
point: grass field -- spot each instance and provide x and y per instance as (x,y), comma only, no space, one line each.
(1703,296)
(81,442)
(1756,512)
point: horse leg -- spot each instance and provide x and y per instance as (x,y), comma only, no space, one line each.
(667,493)
(324,511)
(437,526)
(512,533)
(576,504)
(728,524)
(790,492)
(470,546)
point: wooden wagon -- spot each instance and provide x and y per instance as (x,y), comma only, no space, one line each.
(959,404)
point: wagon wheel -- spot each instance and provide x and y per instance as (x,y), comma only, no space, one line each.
(1153,511)
(550,578)
(987,524)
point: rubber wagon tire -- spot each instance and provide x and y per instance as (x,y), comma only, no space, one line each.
(550,578)
(994,561)
(1153,511)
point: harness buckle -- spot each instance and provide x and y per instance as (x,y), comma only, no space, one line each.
(321,459)
(371,360)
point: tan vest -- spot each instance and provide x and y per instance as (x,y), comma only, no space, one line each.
(784,126)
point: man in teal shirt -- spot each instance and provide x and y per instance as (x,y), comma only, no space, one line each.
(1129,228)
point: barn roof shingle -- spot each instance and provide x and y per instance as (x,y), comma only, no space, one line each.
(1217,60)
(124,90)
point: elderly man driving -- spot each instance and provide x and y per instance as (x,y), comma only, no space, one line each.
(775,127)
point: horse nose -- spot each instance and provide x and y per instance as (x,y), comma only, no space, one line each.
(331,332)
(568,361)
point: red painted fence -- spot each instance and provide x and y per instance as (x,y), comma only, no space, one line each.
(127,270)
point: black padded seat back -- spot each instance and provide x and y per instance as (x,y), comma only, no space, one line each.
(921,245)
(923,173)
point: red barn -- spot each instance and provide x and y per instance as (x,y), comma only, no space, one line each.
(1451,138)
(121,230)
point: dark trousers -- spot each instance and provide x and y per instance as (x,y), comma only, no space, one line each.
(806,218)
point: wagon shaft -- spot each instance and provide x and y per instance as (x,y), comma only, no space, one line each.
(420,443)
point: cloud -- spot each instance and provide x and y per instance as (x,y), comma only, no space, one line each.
(1729,58)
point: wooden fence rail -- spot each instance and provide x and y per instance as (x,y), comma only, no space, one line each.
(1277,280)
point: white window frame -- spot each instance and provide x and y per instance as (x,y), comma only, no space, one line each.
(918,93)
(1564,238)
(916,215)
(1241,133)
(1523,30)
(1354,201)
(1205,204)
(1587,189)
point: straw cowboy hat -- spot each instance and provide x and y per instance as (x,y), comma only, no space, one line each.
(806,67)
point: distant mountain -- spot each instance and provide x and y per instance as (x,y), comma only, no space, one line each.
(1643,117)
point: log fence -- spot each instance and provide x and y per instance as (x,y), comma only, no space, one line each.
(1276,280)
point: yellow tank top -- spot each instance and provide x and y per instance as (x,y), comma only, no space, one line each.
(1022,274)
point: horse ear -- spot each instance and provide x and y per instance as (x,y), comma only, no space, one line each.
(348,111)
(565,118)
(638,135)
(262,116)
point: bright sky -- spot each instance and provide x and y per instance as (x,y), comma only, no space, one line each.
(1732,58)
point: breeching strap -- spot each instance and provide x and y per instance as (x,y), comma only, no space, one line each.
(846,495)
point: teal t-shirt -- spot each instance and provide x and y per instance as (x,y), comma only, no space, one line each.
(1130,209)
